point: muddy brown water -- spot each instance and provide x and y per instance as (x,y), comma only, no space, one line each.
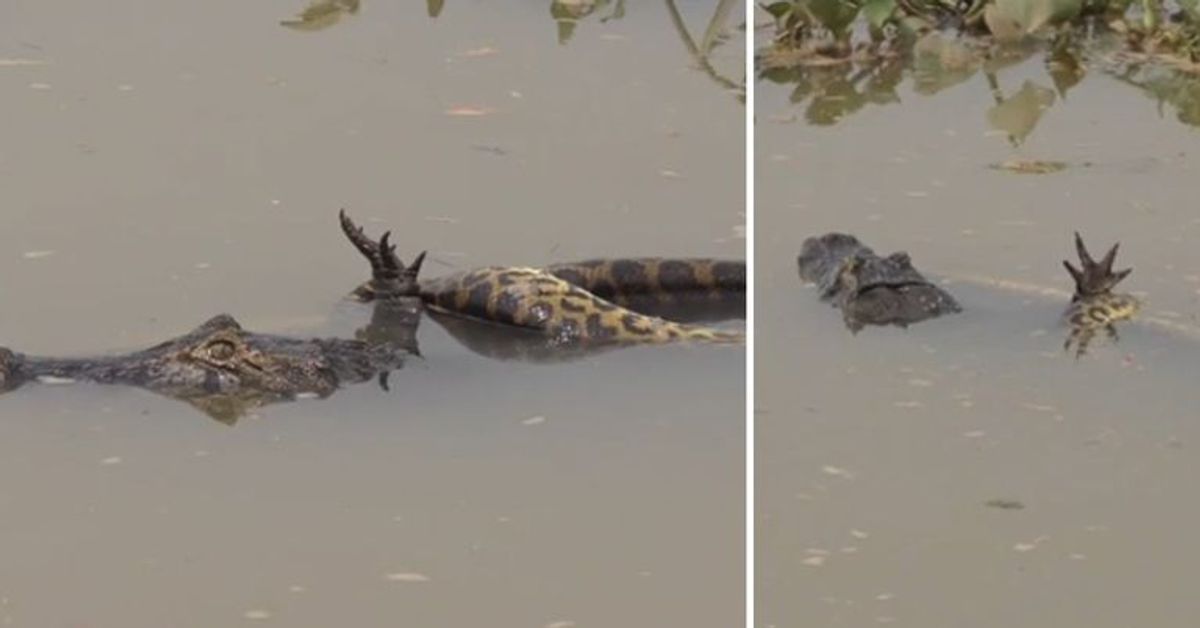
(878,453)
(163,163)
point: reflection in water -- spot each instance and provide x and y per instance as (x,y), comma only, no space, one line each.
(567,15)
(713,36)
(506,343)
(1018,114)
(833,91)
(322,14)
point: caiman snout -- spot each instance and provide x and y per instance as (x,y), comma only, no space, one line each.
(8,364)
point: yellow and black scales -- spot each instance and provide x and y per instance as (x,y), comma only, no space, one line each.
(581,302)
(1094,306)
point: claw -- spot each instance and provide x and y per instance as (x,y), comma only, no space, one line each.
(389,276)
(1094,278)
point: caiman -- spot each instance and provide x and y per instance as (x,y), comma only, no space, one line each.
(874,290)
(591,303)
(222,369)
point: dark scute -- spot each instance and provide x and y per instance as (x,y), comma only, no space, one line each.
(597,330)
(629,276)
(507,306)
(674,275)
(571,276)
(730,275)
(604,289)
(629,322)
(474,277)
(477,300)
(573,304)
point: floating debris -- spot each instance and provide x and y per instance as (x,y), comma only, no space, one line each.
(1004,504)
(406,577)
(492,150)
(1030,166)
(484,51)
(468,111)
(53,380)
(16,63)
(836,471)
(1030,546)
(534,420)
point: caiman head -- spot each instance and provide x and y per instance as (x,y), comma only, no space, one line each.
(869,289)
(390,278)
(1094,278)
(225,370)
(220,368)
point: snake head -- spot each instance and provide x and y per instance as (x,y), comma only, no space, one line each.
(390,278)
(1093,278)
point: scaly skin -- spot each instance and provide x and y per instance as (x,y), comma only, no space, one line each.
(562,302)
(1094,306)
(873,290)
(221,368)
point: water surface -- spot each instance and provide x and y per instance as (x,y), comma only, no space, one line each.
(967,471)
(163,163)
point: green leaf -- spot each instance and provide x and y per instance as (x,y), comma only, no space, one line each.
(778,10)
(835,15)
(1010,20)
(1019,114)
(878,12)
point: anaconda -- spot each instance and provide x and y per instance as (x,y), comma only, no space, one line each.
(583,303)
(874,290)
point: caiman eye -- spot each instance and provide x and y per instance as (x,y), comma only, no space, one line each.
(221,350)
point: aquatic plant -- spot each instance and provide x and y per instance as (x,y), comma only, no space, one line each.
(816,31)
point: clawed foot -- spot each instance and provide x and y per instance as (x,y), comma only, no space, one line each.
(1094,278)
(389,276)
